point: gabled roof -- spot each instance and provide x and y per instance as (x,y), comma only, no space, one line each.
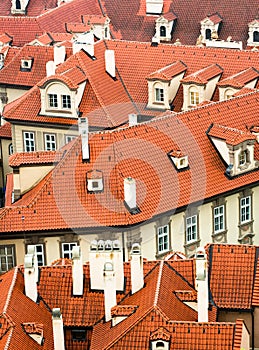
(214,18)
(232,136)
(168,72)
(240,79)
(17,309)
(5,38)
(204,75)
(6,131)
(236,286)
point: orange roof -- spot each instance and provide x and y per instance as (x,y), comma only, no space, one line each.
(166,73)
(91,19)
(204,75)
(5,38)
(78,27)
(240,79)
(215,18)
(6,131)
(234,287)
(232,136)
(38,157)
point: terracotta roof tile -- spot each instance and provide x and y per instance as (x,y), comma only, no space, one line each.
(5,131)
(168,72)
(240,79)
(78,27)
(232,136)
(39,157)
(215,18)
(204,75)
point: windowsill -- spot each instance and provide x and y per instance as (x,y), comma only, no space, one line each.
(219,233)
(190,243)
(242,225)
(160,255)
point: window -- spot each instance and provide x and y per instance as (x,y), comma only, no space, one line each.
(163,239)
(245,209)
(242,158)
(194,98)
(106,32)
(67,250)
(66,101)
(18,4)
(228,94)
(29,141)
(208,34)
(78,334)
(50,142)
(53,100)
(256,37)
(69,138)
(10,149)
(162,31)
(159,95)
(40,254)
(219,220)
(7,257)
(191,228)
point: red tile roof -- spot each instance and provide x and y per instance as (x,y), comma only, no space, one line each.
(215,18)
(233,287)
(166,73)
(5,38)
(78,27)
(240,79)
(30,158)
(204,75)
(5,131)
(232,136)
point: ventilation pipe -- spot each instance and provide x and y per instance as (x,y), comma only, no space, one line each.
(130,196)
(109,289)
(50,68)
(133,119)
(110,63)
(136,268)
(77,271)
(58,330)
(202,285)
(59,54)
(31,274)
(84,132)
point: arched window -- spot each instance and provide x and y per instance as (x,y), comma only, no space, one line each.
(159,93)
(194,98)
(208,34)
(162,31)
(18,5)
(228,94)
(256,36)
(10,149)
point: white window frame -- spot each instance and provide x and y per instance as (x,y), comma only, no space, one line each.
(53,100)
(66,101)
(159,94)
(191,229)
(219,218)
(40,254)
(194,98)
(50,142)
(7,257)
(10,149)
(163,239)
(29,141)
(242,158)
(245,209)
(69,138)
(66,252)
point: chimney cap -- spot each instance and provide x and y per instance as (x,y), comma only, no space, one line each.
(76,252)
(56,313)
(200,254)
(28,261)
(108,266)
(135,249)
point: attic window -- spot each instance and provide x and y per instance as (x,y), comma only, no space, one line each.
(179,160)
(94,180)
(78,334)
(26,64)
(162,31)
(159,95)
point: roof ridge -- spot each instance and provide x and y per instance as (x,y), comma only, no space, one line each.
(158,282)
(9,295)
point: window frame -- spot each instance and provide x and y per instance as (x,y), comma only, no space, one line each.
(71,137)
(68,251)
(245,209)
(159,95)
(50,142)
(42,253)
(52,101)
(65,101)
(162,235)
(194,97)
(221,217)
(6,255)
(189,229)
(31,147)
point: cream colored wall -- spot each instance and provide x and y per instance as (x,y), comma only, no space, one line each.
(30,176)
(210,88)
(13,94)
(174,86)
(19,249)
(39,136)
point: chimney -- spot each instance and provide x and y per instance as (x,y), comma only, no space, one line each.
(84,41)
(130,197)
(110,63)
(136,268)
(202,285)
(83,131)
(50,68)
(58,331)
(31,274)
(109,289)
(59,54)
(77,271)
(133,119)
(154,7)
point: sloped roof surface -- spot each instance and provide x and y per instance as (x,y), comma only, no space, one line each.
(5,131)
(233,287)
(240,79)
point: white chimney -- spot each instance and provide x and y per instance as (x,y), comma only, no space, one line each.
(59,54)
(50,68)
(154,6)
(100,252)
(31,275)
(84,41)
(109,289)
(130,196)
(84,132)
(58,330)
(133,119)
(110,63)
(136,268)
(202,285)
(77,271)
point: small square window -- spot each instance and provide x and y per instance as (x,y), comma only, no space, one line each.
(50,142)
(7,257)
(194,98)
(67,250)
(29,141)
(78,334)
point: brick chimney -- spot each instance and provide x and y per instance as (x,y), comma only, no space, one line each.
(109,289)
(58,330)
(77,271)
(202,285)
(31,274)
(136,268)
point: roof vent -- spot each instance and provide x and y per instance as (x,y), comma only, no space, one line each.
(179,160)
(133,119)
(110,63)
(26,64)
(94,181)
(83,131)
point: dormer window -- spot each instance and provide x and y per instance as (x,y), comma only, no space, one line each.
(159,94)
(53,100)
(194,97)
(162,31)
(26,64)
(253,33)
(228,94)
(160,339)
(179,159)
(210,26)
(94,181)
(242,158)
(164,26)
(56,101)
(66,101)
